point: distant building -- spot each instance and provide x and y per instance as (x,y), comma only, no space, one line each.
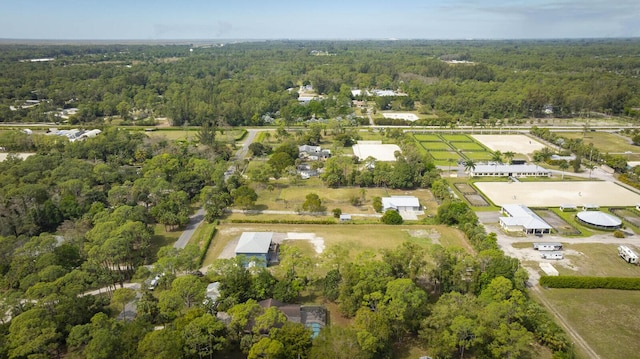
(345,217)
(313,317)
(400,203)
(313,153)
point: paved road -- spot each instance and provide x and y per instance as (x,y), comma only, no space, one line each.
(268,211)
(194,222)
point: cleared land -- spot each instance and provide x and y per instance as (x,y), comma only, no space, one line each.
(555,194)
(509,143)
(608,143)
(355,237)
(402,116)
(24,156)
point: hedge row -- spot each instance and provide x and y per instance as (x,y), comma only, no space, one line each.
(284,221)
(590,282)
(205,248)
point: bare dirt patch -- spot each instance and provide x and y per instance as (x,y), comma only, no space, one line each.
(555,221)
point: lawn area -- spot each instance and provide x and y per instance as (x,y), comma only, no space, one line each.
(598,260)
(456,138)
(161,238)
(435,146)
(357,238)
(287,197)
(607,143)
(427,137)
(468,146)
(608,320)
(478,156)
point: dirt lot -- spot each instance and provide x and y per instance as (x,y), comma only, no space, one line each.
(510,143)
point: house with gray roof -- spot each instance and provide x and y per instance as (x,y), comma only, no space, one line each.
(256,245)
(521,218)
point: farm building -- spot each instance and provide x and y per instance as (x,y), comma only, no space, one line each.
(255,245)
(627,254)
(400,203)
(521,218)
(599,220)
(502,170)
(547,246)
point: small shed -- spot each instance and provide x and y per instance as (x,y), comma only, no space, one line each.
(255,245)
(345,217)
(590,207)
(568,208)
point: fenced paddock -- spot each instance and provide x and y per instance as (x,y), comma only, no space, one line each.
(375,149)
(468,146)
(555,194)
(456,138)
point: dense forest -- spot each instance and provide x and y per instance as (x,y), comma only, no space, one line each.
(246,83)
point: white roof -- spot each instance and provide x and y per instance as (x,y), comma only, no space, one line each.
(600,218)
(522,216)
(213,290)
(400,201)
(502,168)
(254,242)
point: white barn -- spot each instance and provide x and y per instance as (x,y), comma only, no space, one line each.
(521,218)
(400,203)
(502,170)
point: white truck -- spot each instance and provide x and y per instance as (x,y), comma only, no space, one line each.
(628,255)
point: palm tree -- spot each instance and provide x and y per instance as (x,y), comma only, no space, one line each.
(496,156)
(590,166)
(469,165)
(509,155)
(450,160)
(564,165)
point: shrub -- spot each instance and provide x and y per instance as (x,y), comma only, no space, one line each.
(618,233)
(623,283)
(377,204)
(391,217)
(336,212)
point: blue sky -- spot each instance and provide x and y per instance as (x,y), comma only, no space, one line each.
(325,19)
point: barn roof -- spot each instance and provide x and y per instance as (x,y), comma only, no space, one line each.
(254,242)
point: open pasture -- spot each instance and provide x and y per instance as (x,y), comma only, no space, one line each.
(468,146)
(456,138)
(607,319)
(555,194)
(427,137)
(436,146)
(607,142)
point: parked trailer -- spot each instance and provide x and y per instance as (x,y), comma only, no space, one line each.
(551,255)
(547,246)
(628,255)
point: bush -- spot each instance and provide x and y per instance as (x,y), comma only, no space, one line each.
(618,233)
(391,217)
(622,283)
(377,204)
(336,212)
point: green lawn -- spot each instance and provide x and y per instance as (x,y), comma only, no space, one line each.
(598,260)
(436,146)
(427,137)
(609,320)
(607,143)
(468,146)
(456,138)
(478,156)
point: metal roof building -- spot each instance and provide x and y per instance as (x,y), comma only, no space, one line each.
(255,245)
(521,218)
(502,170)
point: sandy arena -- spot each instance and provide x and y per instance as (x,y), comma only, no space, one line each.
(509,143)
(375,149)
(555,194)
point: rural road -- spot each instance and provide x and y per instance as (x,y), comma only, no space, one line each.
(268,211)
(194,222)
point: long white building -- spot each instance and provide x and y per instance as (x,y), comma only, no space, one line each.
(502,170)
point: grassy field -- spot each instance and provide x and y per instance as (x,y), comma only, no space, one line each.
(162,238)
(478,156)
(608,320)
(436,146)
(468,146)
(357,238)
(598,260)
(427,137)
(608,143)
(457,138)
(286,197)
